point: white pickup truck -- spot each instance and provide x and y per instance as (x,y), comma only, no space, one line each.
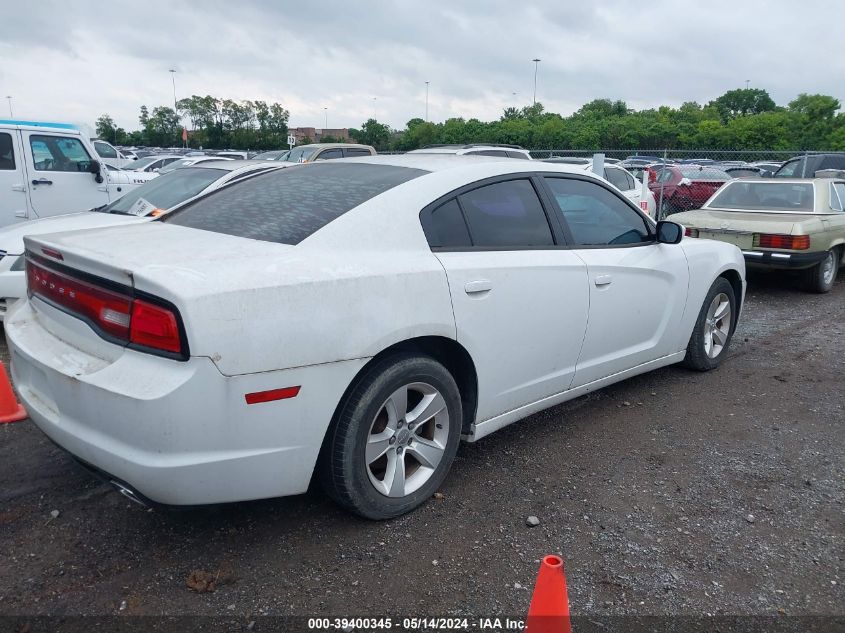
(51,168)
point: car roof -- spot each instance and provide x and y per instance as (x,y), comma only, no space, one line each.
(232,165)
(322,145)
(435,161)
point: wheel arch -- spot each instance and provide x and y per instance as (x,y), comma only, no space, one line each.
(735,280)
(448,352)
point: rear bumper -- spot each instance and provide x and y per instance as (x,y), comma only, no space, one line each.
(781,260)
(178,433)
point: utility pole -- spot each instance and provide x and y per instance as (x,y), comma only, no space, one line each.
(173,77)
(375,112)
(426,102)
(747,81)
(536,65)
(326,111)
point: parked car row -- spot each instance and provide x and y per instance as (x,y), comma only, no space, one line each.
(347,320)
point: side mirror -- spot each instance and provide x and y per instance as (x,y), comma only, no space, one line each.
(669,232)
(95,168)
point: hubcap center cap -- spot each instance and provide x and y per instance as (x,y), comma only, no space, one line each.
(403,436)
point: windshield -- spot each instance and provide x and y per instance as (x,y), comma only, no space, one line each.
(274,155)
(300,154)
(165,191)
(765,196)
(176,164)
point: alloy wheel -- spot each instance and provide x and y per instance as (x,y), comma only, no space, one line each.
(717,325)
(407,439)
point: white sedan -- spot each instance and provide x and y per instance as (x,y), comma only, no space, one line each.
(141,204)
(353,319)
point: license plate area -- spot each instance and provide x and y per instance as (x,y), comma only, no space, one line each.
(742,240)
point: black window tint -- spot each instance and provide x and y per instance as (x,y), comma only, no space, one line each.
(288,205)
(489,152)
(595,216)
(356,151)
(445,227)
(506,214)
(7,152)
(328,154)
(517,155)
(617,178)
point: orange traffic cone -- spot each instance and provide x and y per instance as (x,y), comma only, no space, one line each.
(10,409)
(549,610)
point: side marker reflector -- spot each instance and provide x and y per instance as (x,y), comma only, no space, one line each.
(271,395)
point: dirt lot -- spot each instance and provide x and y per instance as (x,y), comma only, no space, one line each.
(671,493)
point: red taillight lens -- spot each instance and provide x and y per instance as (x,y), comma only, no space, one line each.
(110,311)
(114,315)
(154,326)
(690,232)
(788,242)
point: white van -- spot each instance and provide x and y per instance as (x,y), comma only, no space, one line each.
(50,168)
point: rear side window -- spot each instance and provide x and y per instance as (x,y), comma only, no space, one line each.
(520,155)
(356,151)
(506,214)
(7,152)
(329,154)
(288,205)
(617,179)
(446,228)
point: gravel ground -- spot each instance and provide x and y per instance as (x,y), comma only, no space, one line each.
(672,493)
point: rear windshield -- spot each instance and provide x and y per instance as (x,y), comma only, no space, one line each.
(288,205)
(703,173)
(765,196)
(167,190)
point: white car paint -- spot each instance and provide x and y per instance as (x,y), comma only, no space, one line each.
(12,277)
(29,189)
(189,161)
(541,326)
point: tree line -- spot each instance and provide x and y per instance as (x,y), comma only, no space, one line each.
(742,119)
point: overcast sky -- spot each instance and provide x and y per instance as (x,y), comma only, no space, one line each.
(72,61)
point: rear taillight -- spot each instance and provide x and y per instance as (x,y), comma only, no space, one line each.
(117,316)
(691,232)
(788,242)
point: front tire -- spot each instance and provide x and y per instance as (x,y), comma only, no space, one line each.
(820,277)
(713,329)
(394,439)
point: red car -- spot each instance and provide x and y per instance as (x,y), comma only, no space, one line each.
(684,187)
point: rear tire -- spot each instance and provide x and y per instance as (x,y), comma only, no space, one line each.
(820,278)
(394,439)
(714,328)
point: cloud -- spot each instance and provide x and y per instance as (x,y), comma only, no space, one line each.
(75,61)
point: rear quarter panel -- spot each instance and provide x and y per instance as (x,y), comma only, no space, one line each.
(708,259)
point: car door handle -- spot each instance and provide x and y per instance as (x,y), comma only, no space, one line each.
(479,285)
(603,280)
(42,181)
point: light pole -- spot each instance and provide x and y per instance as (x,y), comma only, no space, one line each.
(536,65)
(326,112)
(747,81)
(173,77)
(375,113)
(9,98)
(426,102)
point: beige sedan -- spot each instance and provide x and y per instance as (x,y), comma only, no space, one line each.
(778,224)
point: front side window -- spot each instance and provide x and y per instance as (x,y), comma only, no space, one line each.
(506,214)
(105,150)
(7,152)
(595,216)
(59,153)
(356,151)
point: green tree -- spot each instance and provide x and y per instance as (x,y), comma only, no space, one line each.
(742,102)
(105,128)
(373,133)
